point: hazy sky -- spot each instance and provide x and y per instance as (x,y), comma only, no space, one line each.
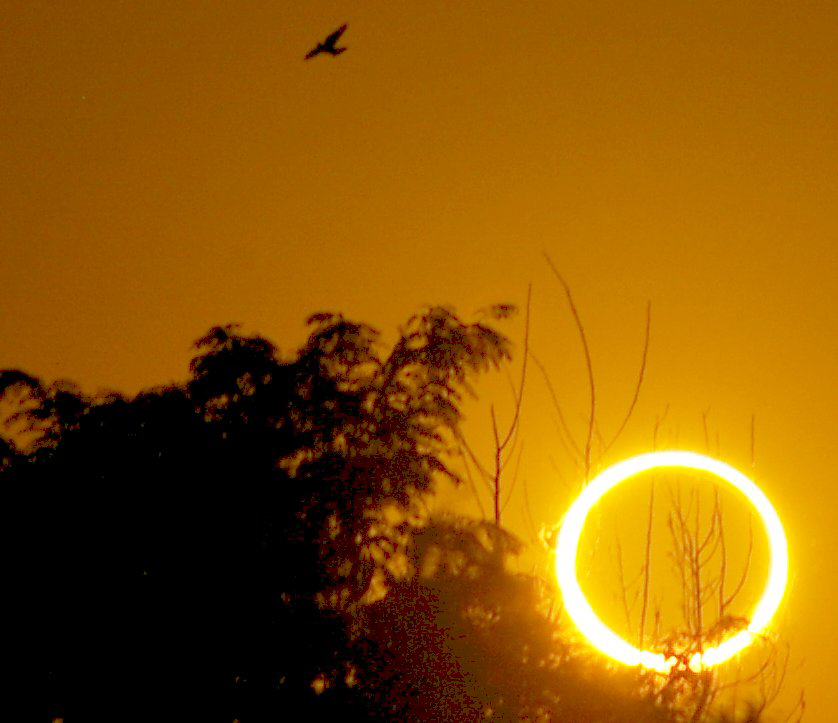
(168,166)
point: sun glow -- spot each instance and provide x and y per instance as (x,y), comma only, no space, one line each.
(582,614)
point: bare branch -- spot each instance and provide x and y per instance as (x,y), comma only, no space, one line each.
(520,396)
(464,445)
(723,563)
(500,445)
(647,566)
(658,422)
(640,378)
(583,337)
(747,566)
(623,586)
(496,480)
(514,477)
(472,485)
(708,538)
(801,706)
(557,407)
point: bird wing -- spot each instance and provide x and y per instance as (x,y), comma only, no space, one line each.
(314,51)
(333,38)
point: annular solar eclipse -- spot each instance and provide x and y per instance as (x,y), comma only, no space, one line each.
(582,614)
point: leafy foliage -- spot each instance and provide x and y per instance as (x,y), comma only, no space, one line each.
(248,543)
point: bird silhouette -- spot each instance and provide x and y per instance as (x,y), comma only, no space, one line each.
(328,45)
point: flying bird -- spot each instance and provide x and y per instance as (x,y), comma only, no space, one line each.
(328,45)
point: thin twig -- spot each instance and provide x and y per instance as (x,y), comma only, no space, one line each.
(557,406)
(500,445)
(710,533)
(695,564)
(498,452)
(801,704)
(461,441)
(647,567)
(723,562)
(472,485)
(520,396)
(623,585)
(658,422)
(640,377)
(747,566)
(591,384)
(514,477)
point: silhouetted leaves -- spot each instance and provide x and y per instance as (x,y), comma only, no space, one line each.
(247,544)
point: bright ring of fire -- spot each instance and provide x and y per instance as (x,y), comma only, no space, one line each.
(586,620)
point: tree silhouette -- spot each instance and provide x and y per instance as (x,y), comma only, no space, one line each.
(251,542)
(188,540)
(477,641)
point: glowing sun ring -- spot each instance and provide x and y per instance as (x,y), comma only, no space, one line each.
(586,620)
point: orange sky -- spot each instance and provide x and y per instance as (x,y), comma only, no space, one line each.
(167,166)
